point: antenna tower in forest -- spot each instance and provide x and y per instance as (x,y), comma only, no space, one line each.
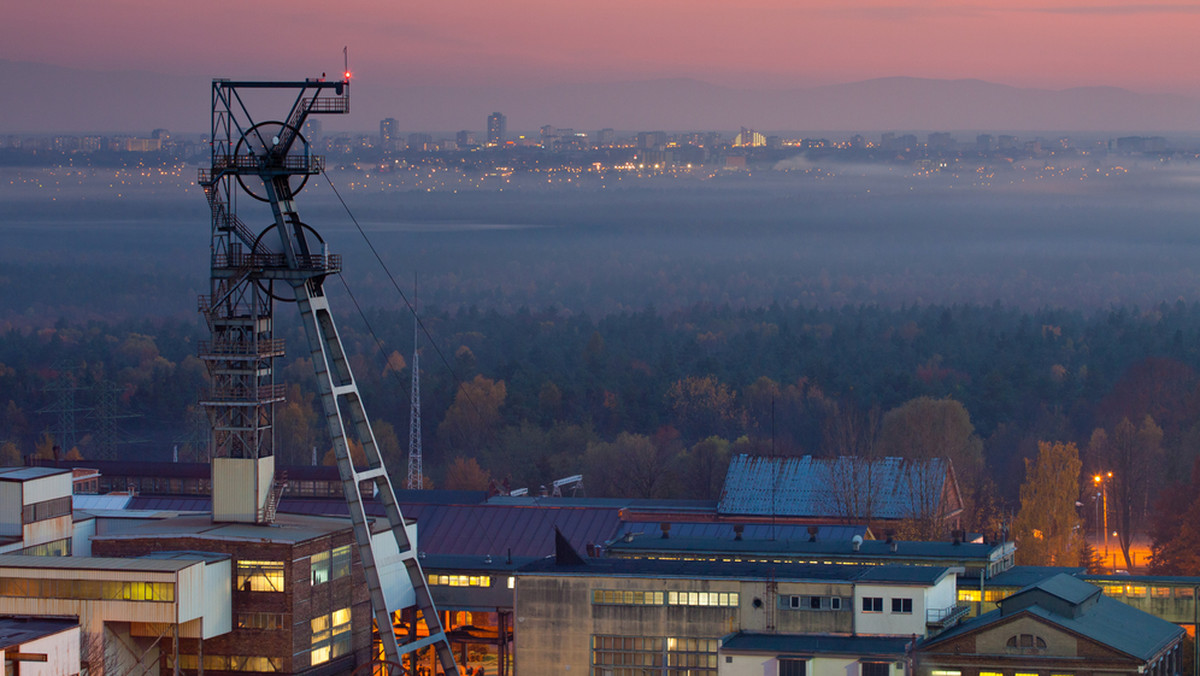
(415,472)
(268,160)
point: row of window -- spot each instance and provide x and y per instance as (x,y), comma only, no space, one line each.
(1110,590)
(874,604)
(330,636)
(812,602)
(228,663)
(461,580)
(658,598)
(634,655)
(330,565)
(56,548)
(260,576)
(789,666)
(89,590)
(269,621)
(46,509)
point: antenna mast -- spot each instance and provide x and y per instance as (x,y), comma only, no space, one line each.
(415,471)
(288,261)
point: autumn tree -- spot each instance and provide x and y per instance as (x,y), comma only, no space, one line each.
(1132,455)
(473,419)
(1047,527)
(465,474)
(703,406)
(925,427)
(702,469)
(10,455)
(1174,530)
(629,466)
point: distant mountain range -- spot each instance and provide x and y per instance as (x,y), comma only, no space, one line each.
(44,98)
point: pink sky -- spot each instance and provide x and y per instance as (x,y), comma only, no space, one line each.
(1148,46)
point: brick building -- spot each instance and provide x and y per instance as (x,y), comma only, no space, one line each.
(300,603)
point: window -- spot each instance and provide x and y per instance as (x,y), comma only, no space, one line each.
(1025,644)
(812,602)
(55,548)
(268,621)
(461,580)
(319,565)
(341,562)
(1160,592)
(872,604)
(639,655)
(611,597)
(875,668)
(260,576)
(902,606)
(330,636)
(791,667)
(46,509)
(711,599)
(969,595)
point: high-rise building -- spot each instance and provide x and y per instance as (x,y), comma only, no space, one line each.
(497,129)
(464,139)
(389,133)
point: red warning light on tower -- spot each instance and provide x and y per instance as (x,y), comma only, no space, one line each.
(347,75)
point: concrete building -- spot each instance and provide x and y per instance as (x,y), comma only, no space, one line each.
(615,616)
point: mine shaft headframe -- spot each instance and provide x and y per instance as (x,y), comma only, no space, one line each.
(244,145)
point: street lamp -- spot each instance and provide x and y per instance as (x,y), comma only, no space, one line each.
(1101,481)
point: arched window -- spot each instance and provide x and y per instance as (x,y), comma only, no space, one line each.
(1026,644)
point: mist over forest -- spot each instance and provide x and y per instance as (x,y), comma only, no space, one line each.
(94,244)
(591,314)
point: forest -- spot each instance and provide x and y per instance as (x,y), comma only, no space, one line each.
(652,404)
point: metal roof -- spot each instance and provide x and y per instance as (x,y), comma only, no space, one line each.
(868,551)
(479,530)
(17,630)
(699,570)
(1023,576)
(27,473)
(100,502)
(808,486)
(723,530)
(815,644)
(22,562)
(457,529)
(288,528)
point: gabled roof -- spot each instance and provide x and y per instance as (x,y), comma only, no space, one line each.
(823,487)
(1062,594)
(1111,623)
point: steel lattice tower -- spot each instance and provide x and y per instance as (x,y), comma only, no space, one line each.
(415,473)
(287,261)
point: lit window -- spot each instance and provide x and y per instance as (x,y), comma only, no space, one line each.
(1160,592)
(319,564)
(340,562)
(970,595)
(260,576)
